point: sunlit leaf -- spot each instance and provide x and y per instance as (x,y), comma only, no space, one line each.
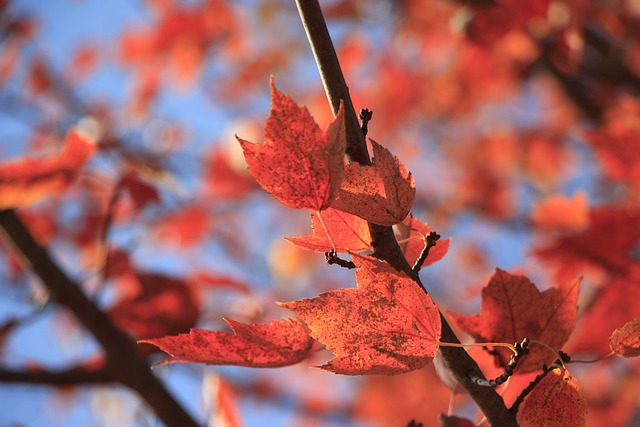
(387,325)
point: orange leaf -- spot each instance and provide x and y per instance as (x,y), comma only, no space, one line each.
(348,232)
(412,232)
(298,164)
(382,193)
(625,341)
(557,400)
(562,213)
(281,343)
(387,325)
(514,309)
(26,181)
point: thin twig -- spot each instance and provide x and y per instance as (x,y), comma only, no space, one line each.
(430,241)
(521,350)
(333,258)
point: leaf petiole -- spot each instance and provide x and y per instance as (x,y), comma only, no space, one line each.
(326,230)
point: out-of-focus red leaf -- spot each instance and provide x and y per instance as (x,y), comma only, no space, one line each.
(180,39)
(393,401)
(218,281)
(280,343)
(617,151)
(163,306)
(83,62)
(40,79)
(387,325)
(493,20)
(185,227)
(514,309)
(348,233)
(140,192)
(625,341)
(299,165)
(608,246)
(614,304)
(25,181)
(146,89)
(561,213)
(118,263)
(557,400)
(411,232)
(382,193)
(223,181)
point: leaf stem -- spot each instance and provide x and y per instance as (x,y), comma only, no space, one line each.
(326,230)
(559,356)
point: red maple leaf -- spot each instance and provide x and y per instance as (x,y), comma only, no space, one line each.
(347,232)
(514,309)
(381,193)
(387,325)
(625,341)
(557,400)
(280,343)
(411,234)
(26,180)
(608,245)
(618,152)
(299,165)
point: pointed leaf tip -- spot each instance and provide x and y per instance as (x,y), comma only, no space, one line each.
(298,164)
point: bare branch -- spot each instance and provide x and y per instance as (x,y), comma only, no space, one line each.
(69,377)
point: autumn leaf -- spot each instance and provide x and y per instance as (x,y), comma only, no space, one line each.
(387,325)
(614,304)
(141,192)
(164,305)
(625,341)
(561,213)
(381,193)
(27,180)
(557,400)
(280,343)
(410,233)
(299,165)
(514,309)
(348,233)
(586,250)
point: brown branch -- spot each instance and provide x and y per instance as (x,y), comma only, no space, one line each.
(124,365)
(384,242)
(69,377)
